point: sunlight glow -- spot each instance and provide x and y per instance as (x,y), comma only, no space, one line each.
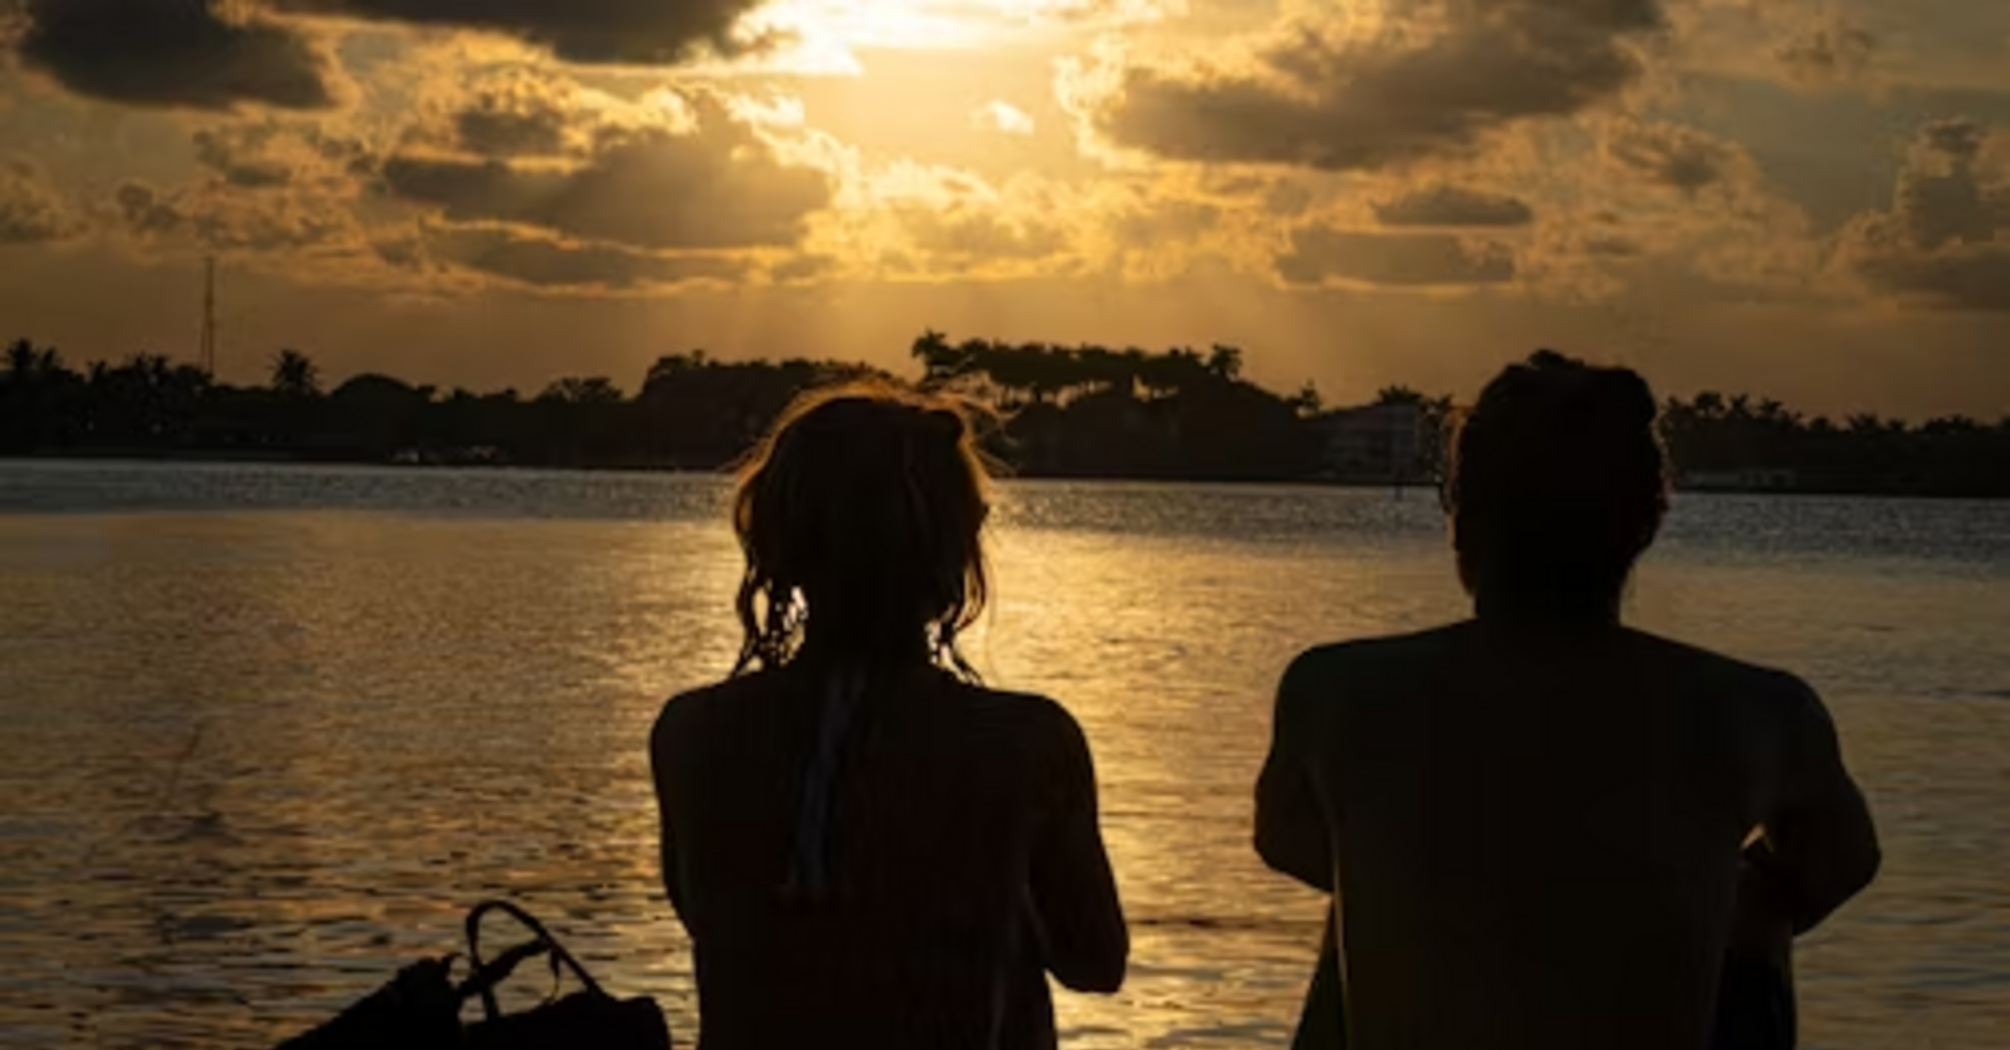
(826,26)
(1001,117)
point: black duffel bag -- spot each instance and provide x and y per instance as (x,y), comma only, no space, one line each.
(421,1008)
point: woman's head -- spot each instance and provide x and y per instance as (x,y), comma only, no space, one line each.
(861,517)
(1557,486)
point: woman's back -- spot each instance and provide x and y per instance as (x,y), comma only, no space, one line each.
(946,798)
(868,848)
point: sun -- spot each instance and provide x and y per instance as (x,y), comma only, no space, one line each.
(821,25)
(826,36)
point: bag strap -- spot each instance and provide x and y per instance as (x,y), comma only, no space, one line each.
(487,976)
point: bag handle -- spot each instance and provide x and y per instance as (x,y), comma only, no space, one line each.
(487,976)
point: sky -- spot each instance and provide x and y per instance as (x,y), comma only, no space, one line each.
(1802,199)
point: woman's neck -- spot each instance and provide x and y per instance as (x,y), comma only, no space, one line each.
(834,649)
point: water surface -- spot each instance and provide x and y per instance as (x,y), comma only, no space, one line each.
(268,730)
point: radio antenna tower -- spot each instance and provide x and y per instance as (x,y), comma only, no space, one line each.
(209,316)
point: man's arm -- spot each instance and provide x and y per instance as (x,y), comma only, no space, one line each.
(1824,844)
(1291,833)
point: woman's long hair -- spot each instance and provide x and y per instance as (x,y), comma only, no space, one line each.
(861,516)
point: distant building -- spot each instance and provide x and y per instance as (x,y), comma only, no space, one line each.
(1380,444)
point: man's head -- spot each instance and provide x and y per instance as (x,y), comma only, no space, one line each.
(1557,486)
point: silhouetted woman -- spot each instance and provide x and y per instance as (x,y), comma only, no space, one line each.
(868,848)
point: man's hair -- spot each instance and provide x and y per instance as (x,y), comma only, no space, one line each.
(1557,485)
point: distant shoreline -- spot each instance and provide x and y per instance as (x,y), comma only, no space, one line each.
(144,456)
(1048,411)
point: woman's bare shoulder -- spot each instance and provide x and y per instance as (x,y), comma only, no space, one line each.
(1033,710)
(694,710)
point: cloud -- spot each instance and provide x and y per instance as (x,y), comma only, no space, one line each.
(30,210)
(541,262)
(1831,52)
(1155,224)
(1970,278)
(145,212)
(1611,246)
(1960,139)
(173,53)
(1001,117)
(1443,204)
(233,222)
(518,116)
(1333,97)
(904,220)
(968,236)
(234,153)
(1319,253)
(1676,157)
(639,32)
(1945,242)
(720,185)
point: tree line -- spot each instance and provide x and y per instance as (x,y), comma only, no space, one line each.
(1063,411)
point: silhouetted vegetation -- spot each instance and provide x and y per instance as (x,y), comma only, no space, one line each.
(1082,411)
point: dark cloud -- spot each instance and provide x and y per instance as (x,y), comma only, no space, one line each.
(1321,100)
(1320,253)
(1959,137)
(588,31)
(720,186)
(30,210)
(1676,157)
(1611,246)
(513,126)
(1944,196)
(1946,240)
(1448,205)
(184,53)
(1827,53)
(1976,278)
(145,212)
(232,152)
(544,263)
(229,222)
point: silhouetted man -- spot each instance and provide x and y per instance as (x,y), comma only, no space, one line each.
(1533,821)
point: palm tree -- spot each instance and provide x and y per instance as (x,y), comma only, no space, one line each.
(294,374)
(1225,362)
(28,366)
(1307,401)
(590,390)
(937,357)
(21,360)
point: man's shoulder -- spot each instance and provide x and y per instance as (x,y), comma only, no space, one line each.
(1347,681)
(1724,674)
(1759,703)
(1350,661)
